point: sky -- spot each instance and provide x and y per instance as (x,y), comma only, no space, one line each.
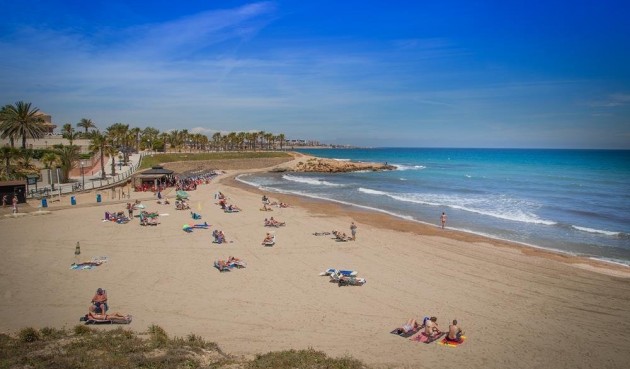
(502,74)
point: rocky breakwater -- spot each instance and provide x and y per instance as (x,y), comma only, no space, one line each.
(320,165)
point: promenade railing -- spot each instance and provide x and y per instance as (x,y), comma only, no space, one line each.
(87,184)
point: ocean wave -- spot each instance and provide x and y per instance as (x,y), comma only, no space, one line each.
(338,159)
(373,192)
(310,181)
(598,231)
(409,167)
(501,208)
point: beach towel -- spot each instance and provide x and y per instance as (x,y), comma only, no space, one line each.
(96,261)
(445,342)
(422,337)
(401,332)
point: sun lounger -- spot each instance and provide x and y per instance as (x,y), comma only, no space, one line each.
(342,280)
(347,273)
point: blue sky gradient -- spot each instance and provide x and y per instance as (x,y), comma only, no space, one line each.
(552,74)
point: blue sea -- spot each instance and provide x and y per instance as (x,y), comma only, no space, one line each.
(573,201)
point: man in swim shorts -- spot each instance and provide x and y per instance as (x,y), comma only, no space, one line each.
(454,332)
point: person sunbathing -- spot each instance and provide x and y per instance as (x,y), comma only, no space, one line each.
(266,208)
(410,326)
(275,222)
(222,265)
(92,314)
(340,236)
(232,208)
(431,328)
(268,239)
(235,262)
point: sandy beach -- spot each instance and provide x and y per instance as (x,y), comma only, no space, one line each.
(519,307)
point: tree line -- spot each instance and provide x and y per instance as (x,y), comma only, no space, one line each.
(21,121)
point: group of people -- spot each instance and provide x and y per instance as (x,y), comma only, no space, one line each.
(431,330)
(231,262)
(98,308)
(117,217)
(219,237)
(14,202)
(342,236)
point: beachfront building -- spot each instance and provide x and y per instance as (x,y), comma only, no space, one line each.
(50,138)
(152,179)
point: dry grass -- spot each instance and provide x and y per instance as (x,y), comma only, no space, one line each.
(86,347)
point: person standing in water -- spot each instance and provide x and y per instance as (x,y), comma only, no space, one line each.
(443,219)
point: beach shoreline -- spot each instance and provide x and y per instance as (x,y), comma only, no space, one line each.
(423,228)
(501,294)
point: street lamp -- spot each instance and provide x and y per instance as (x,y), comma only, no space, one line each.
(83,174)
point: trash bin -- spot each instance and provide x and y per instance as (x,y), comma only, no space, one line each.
(73,200)
(44,203)
(98,197)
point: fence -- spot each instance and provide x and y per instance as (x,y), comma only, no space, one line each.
(88,184)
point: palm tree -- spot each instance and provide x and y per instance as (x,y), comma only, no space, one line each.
(67,131)
(270,140)
(149,135)
(261,135)
(281,139)
(111,151)
(216,140)
(5,131)
(97,145)
(68,156)
(7,153)
(49,159)
(22,121)
(86,124)
(134,136)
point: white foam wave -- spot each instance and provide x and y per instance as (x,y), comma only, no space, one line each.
(598,231)
(501,208)
(341,159)
(372,192)
(310,181)
(409,167)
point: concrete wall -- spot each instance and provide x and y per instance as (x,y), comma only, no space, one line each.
(48,142)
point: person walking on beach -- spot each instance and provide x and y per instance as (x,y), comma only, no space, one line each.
(353,230)
(443,219)
(5,200)
(15,202)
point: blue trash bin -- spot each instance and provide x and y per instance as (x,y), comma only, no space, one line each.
(44,203)
(98,197)
(73,201)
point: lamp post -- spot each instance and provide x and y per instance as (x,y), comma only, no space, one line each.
(83,174)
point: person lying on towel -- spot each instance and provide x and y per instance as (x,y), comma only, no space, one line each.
(410,326)
(102,316)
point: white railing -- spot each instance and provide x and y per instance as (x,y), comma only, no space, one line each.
(89,185)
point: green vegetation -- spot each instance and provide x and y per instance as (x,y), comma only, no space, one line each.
(86,347)
(150,161)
